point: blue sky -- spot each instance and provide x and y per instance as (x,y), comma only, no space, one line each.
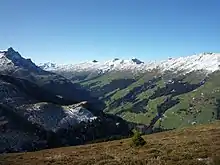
(71,31)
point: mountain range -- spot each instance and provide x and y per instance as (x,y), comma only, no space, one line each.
(167,94)
(208,62)
(51,105)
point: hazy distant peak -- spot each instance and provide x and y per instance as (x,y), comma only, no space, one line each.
(137,61)
(94,61)
(48,65)
(115,59)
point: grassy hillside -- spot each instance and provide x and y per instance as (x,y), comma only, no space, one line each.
(169,100)
(197,145)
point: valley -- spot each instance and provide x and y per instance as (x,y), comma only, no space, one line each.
(162,95)
(109,82)
(43,107)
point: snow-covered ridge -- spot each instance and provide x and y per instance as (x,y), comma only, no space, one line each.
(115,64)
(208,62)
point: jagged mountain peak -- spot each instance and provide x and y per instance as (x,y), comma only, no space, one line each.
(12,54)
(9,51)
(12,60)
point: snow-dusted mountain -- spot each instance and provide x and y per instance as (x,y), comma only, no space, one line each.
(208,62)
(11,61)
(36,105)
(13,64)
(46,110)
(115,64)
(19,79)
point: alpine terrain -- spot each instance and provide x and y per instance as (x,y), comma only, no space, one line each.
(163,95)
(40,109)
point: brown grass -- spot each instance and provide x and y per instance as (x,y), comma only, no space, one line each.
(197,145)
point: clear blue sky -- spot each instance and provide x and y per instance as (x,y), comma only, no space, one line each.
(71,31)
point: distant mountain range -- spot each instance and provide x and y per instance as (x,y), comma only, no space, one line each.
(163,95)
(208,62)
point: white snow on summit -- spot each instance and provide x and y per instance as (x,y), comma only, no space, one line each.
(115,64)
(48,65)
(11,60)
(208,62)
(205,61)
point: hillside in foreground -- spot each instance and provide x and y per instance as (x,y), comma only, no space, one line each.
(197,145)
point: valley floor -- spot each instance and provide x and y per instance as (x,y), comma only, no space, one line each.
(197,145)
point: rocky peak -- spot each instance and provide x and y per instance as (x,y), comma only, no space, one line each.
(95,61)
(12,60)
(11,54)
(137,61)
(115,59)
(11,50)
